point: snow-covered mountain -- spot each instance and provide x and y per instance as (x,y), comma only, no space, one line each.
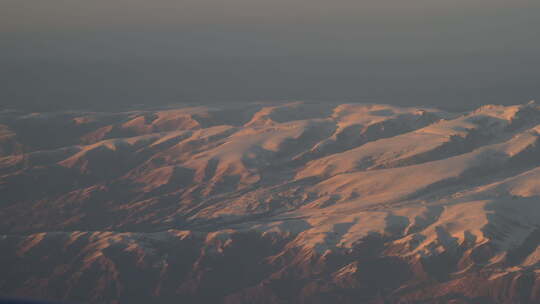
(272,203)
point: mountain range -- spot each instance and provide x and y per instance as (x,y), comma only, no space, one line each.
(293,202)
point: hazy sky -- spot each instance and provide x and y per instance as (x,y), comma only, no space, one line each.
(74,52)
